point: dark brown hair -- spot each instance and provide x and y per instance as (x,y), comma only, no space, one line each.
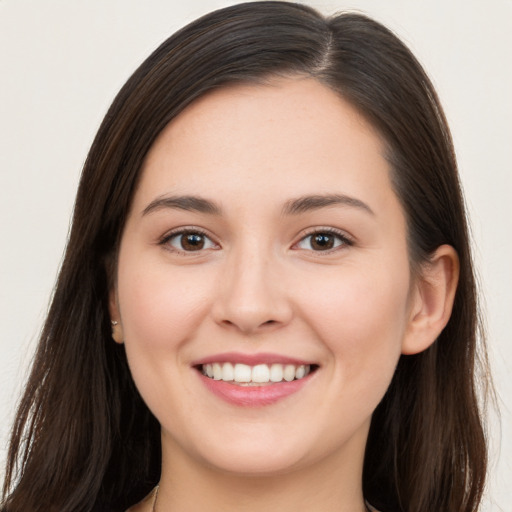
(83,438)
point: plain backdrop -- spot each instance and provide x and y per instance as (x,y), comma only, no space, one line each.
(61,64)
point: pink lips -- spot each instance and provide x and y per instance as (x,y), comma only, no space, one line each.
(252,396)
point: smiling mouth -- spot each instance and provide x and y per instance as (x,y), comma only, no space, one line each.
(258,375)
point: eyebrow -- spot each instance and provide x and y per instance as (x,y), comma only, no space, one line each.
(292,207)
(315,202)
(189,203)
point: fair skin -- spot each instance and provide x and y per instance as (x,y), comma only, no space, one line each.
(298,254)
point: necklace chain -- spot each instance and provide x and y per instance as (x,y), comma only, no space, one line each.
(153,508)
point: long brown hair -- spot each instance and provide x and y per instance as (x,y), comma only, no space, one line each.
(84,440)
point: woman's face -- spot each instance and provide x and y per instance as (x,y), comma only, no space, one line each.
(264,241)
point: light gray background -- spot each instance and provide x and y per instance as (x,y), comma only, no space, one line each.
(62,62)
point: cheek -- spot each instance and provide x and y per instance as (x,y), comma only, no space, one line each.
(158,306)
(361,316)
(161,310)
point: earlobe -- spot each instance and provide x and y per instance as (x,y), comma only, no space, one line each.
(117,328)
(432,300)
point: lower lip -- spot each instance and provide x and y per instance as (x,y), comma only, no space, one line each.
(253,396)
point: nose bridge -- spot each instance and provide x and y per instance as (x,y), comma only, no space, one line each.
(251,295)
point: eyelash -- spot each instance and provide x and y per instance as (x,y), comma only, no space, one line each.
(341,237)
(185,231)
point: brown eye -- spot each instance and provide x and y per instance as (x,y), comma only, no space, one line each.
(323,241)
(190,241)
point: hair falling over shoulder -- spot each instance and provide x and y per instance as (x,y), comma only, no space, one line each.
(83,439)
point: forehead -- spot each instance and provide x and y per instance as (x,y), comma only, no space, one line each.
(290,136)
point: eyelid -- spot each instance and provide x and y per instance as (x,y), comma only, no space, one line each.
(346,239)
(164,240)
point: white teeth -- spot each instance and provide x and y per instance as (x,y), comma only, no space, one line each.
(217,371)
(289,372)
(276,373)
(242,373)
(228,372)
(259,374)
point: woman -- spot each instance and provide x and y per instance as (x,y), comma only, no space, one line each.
(267,298)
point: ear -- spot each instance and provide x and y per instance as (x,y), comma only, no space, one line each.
(432,300)
(115,317)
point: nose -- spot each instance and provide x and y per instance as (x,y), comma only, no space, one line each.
(252,295)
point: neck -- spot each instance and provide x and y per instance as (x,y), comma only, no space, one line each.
(329,485)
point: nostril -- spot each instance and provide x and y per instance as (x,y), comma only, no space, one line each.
(267,323)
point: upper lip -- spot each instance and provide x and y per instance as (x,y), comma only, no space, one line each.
(250,359)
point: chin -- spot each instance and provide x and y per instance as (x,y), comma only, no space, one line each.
(254,464)
(250,451)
